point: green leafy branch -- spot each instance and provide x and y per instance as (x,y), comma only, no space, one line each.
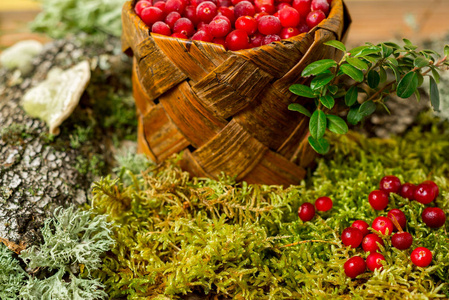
(367,66)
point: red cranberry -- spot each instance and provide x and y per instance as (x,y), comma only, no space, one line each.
(190,13)
(269,25)
(378,199)
(219,27)
(303,28)
(151,15)
(220,41)
(206,11)
(383,225)
(424,193)
(184,26)
(271,38)
(161,6)
(302,6)
(256,39)
(246,23)
(202,35)
(400,217)
(402,240)
(260,15)
(323,203)
(179,35)
(373,261)
(140,6)
(306,211)
(174,5)
(362,226)
(161,28)
(282,5)
(421,257)
(390,184)
(352,237)
(244,8)
(407,190)
(435,187)
(354,266)
(434,217)
(369,242)
(320,5)
(171,19)
(224,3)
(228,13)
(289,17)
(314,18)
(289,32)
(266,6)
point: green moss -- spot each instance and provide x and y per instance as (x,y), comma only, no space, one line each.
(15,134)
(177,235)
(12,276)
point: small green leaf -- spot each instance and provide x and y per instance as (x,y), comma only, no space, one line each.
(318,124)
(302,90)
(386,50)
(333,89)
(318,67)
(434,94)
(435,74)
(299,108)
(420,79)
(357,63)
(373,79)
(357,50)
(407,85)
(370,50)
(420,62)
(382,74)
(417,95)
(320,145)
(392,45)
(367,108)
(393,61)
(354,116)
(328,101)
(352,72)
(336,44)
(446,51)
(321,80)
(385,107)
(395,70)
(336,124)
(407,42)
(351,96)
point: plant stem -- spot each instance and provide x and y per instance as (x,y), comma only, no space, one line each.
(373,96)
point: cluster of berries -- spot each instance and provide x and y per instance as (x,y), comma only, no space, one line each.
(235,24)
(395,221)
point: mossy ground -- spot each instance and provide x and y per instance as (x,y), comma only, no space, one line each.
(177,235)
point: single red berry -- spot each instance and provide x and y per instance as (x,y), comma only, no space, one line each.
(323,203)
(171,18)
(306,211)
(354,266)
(424,193)
(314,18)
(303,28)
(206,11)
(219,27)
(256,39)
(434,217)
(237,40)
(220,16)
(407,190)
(246,23)
(289,17)
(435,187)
(179,35)
(373,261)
(161,6)
(400,217)
(302,6)
(269,25)
(175,5)
(362,226)
(266,6)
(244,8)
(282,5)
(271,38)
(184,26)
(390,184)
(228,13)
(161,28)
(260,15)
(370,242)
(224,3)
(289,32)
(151,15)
(220,41)
(140,6)
(320,5)
(383,225)
(402,240)
(378,199)
(190,13)
(352,237)
(202,26)
(235,2)
(421,257)
(201,35)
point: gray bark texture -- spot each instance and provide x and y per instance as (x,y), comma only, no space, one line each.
(39,172)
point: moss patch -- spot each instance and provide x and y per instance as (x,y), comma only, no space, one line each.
(177,235)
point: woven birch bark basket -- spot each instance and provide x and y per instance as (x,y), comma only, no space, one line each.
(226,110)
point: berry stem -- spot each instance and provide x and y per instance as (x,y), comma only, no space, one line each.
(396,223)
